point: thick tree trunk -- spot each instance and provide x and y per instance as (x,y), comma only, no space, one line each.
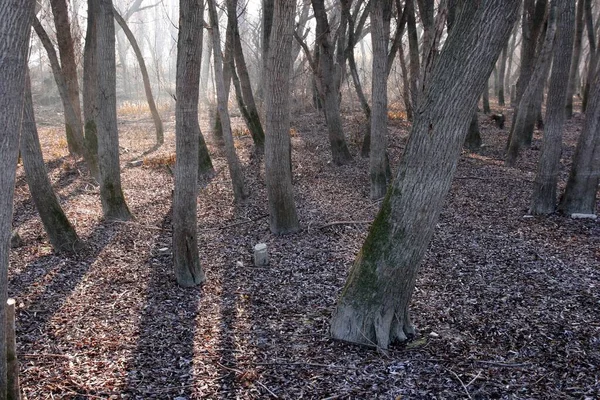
(158,126)
(527,112)
(61,233)
(235,169)
(544,189)
(282,210)
(328,87)
(15,24)
(373,308)
(571,89)
(473,139)
(582,185)
(66,50)
(111,193)
(380,31)
(70,113)
(186,259)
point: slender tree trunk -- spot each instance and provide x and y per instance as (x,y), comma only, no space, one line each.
(15,24)
(473,139)
(591,70)
(486,98)
(582,185)
(68,67)
(186,259)
(235,169)
(575,59)
(205,70)
(527,113)
(373,307)
(405,85)
(511,52)
(61,233)
(70,113)
(90,85)
(501,75)
(380,32)
(111,193)
(413,44)
(282,210)
(158,126)
(544,188)
(267,23)
(328,87)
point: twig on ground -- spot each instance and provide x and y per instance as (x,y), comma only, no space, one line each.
(461,382)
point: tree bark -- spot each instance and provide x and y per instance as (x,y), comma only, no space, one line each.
(328,88)
(267,23)
(111,193)
(473,139)
(413,45)
(380,32)
(186,259)
(15,24)
(544,188)
(68,67)
(235,170)
(486,98)
(373,308)
(61,233)
(593,60)
(90,85)
(282,210)
(527,112)
(501,75)
(571,89)
(158,126)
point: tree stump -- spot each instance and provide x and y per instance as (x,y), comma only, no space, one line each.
(261,257)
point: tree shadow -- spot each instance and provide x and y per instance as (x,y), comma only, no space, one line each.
(162,362)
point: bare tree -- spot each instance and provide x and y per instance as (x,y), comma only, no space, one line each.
(15,24)
(373,308)
(111,193)
(544,189)
(282,210)
(188,270)
(61,233)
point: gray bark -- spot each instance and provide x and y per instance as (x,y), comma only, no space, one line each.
(61,233)
(544,189)
(235,169)
(186,259)
(373,307)
(282,210)
(15,24)
(593,56)
(575,59)
(473,139)
(90,86)
(111,193)
(527,112)
(158,126)
(413,45)
(486,98)
(502,74)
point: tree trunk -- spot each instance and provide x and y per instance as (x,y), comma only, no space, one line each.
(544,188)
(508,80)
(111,193)
(571,89)
(582,185)
(282,210)
(501,75)
(380,32)
(593,61)
(61,233)
(373,307)
(70,113)
(486,98)
(527,112)
(205,70)
(267,23)
(186,259)
(405,84)
(473,139)
(68,67)
(15,25)
(158,126)
(235,170)
(90,85)
(328,87)
(413,45)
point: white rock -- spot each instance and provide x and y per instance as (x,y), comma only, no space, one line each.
(584,216)
(261,257)
(434,335)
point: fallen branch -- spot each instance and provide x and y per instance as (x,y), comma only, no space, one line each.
(345,223)
(461,382)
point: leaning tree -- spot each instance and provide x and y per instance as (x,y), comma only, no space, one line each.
(373,307)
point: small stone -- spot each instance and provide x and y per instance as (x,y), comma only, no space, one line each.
(239,264)
(434,335)
(527,216)
(163,249)
(584,216)
(135,163)
(261,257)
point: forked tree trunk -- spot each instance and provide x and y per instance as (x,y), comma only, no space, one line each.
(373,307)
(66,50)
(61,233)
(15,24)
(380,32)
(328,88)
(111,193)
(527,113)
(158,126)
(582,185)
(186,259)
(575,59)
(235,169)
(282,210)
(544,188)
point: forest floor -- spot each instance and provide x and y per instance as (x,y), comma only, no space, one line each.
(506,306)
